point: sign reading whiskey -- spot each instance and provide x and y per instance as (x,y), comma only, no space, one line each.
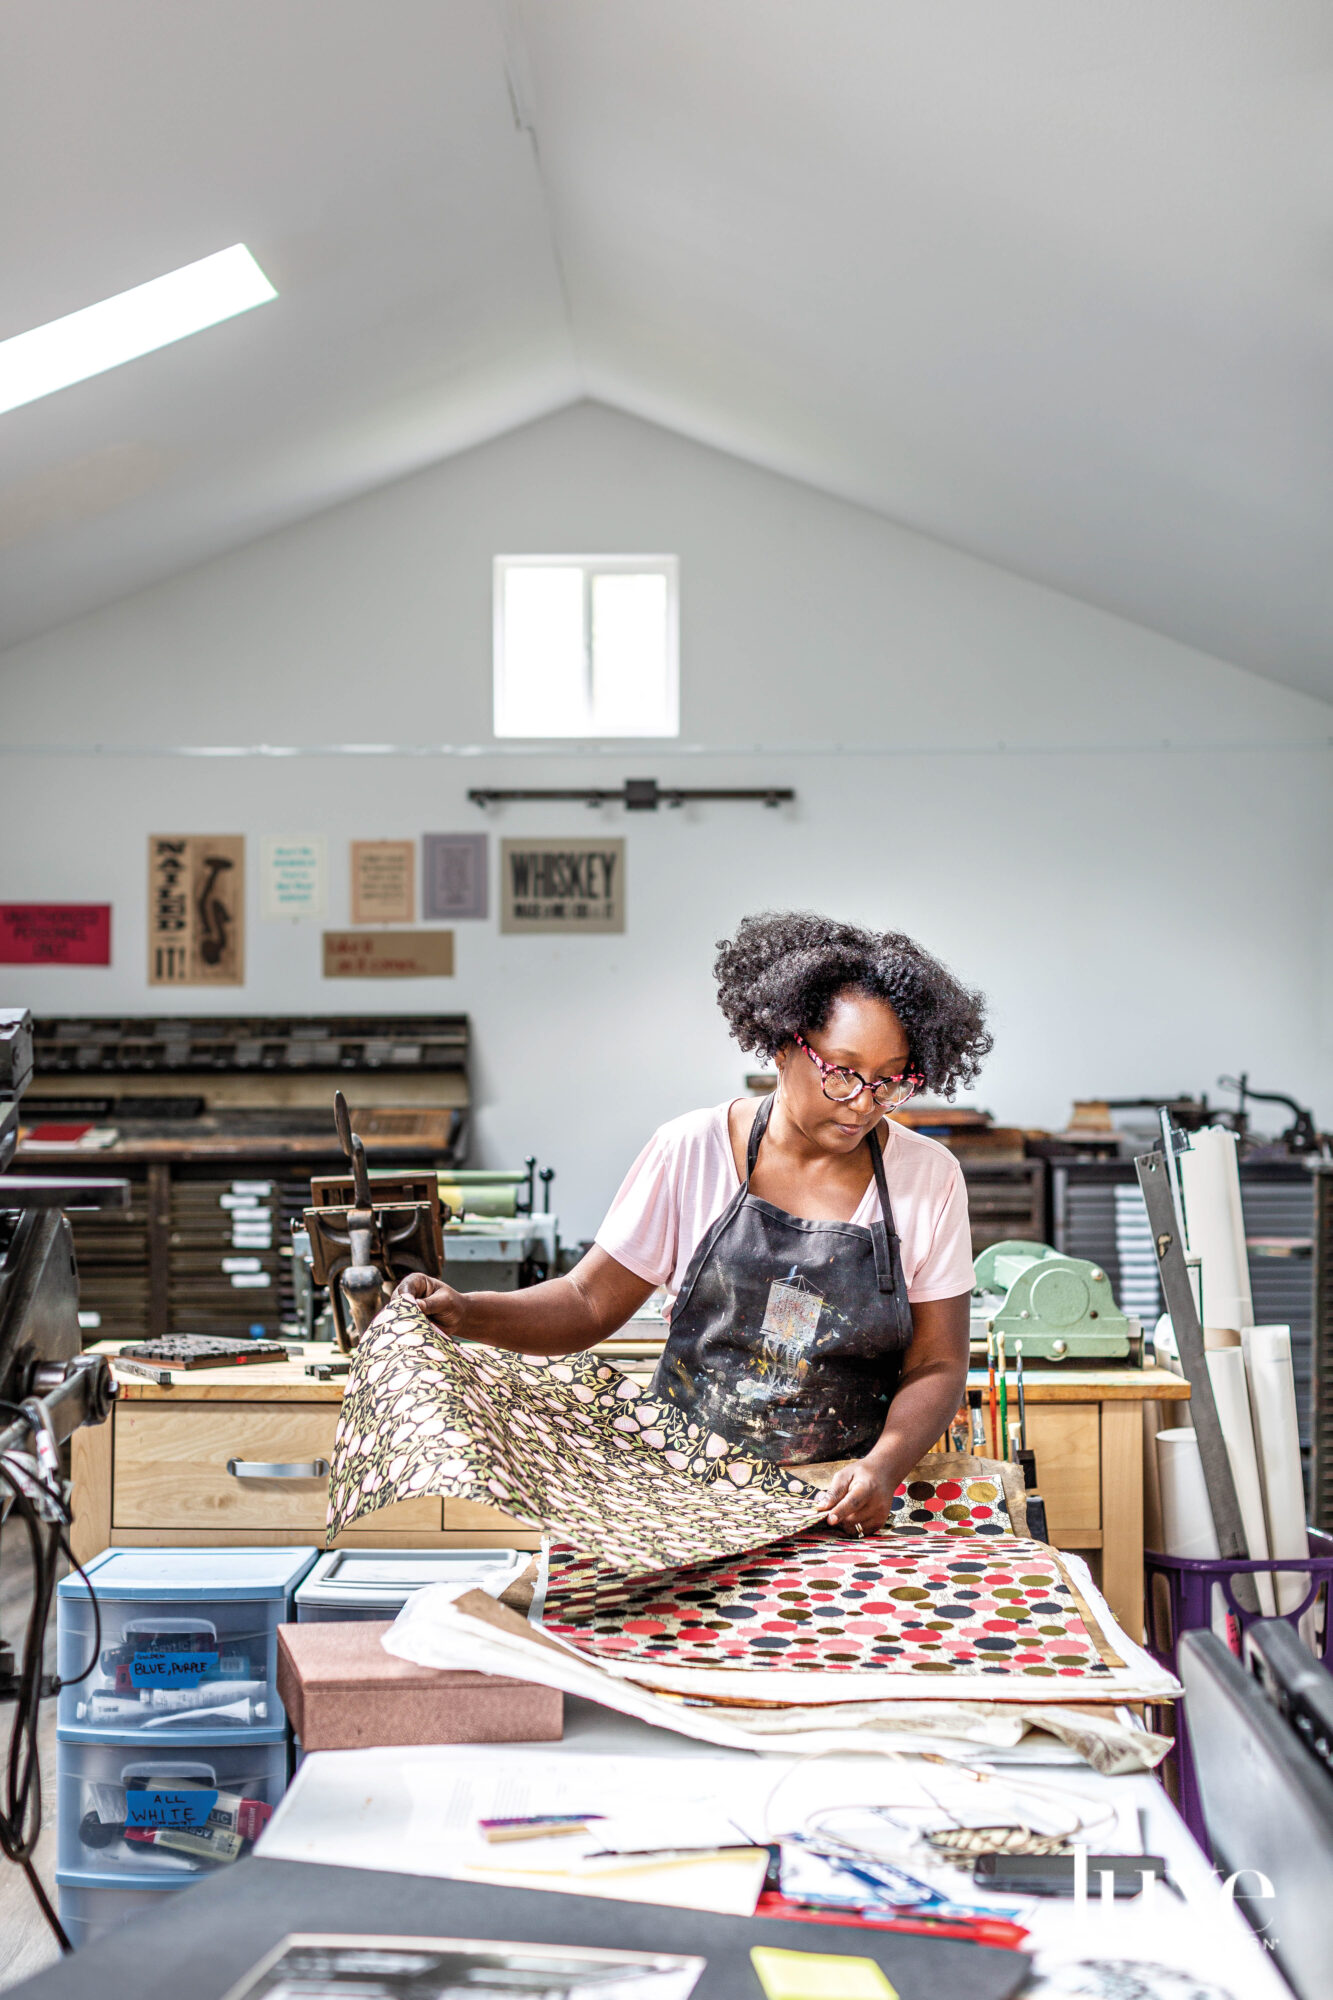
(562,885)
(196,909)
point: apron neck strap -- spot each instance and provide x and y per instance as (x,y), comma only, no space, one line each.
(876,1146)
(883,1234)
(757,1131)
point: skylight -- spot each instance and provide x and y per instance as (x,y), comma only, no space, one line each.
(132,323)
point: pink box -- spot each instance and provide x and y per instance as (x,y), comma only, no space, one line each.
(344,1692)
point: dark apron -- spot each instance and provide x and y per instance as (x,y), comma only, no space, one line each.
(787,1335)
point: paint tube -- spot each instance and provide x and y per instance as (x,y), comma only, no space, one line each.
(244,1712)
(153,1707)
(208,1694)
(203,1843)
(105,1709)
(104,1821)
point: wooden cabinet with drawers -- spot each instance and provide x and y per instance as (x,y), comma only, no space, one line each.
(231,1457)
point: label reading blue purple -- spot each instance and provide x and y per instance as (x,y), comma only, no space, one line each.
(156,1668)
(162,1808)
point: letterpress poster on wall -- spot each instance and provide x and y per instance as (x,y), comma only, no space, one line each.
(562,886)
(294,877)
(55,933)
(383,881)
(196,909)
(453,875)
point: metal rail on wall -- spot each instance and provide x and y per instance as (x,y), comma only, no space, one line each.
(636,795)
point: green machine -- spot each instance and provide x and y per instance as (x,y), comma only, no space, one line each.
(1061,1308)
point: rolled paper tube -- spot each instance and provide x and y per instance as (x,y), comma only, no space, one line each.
(1273,1402)
(1187,1519)
(1215,1225)
(1226,1372)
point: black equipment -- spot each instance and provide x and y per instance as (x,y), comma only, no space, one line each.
(1302,1135)
(1267,1800)
(48,1387)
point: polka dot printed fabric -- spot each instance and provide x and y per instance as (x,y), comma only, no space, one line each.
(948,1603)
(966,1506)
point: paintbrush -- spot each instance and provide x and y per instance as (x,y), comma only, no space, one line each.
(1022,1403)
(1004,1397)
(990,1391)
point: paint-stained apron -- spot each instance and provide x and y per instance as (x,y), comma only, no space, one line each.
(787,1335)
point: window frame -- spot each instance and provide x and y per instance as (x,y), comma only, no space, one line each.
(589,567)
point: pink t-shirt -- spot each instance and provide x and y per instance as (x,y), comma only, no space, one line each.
(686,1175)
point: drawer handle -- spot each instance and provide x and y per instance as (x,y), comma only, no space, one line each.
(257,1468)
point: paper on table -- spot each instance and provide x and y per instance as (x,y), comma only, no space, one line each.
(433,1631)
(809,1975)
(424,1822)
(1267,1353)
(1226,1372)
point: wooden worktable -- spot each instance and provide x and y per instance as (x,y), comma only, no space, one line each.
(155,1474)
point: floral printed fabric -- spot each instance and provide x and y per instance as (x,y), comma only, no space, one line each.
(937,1603)
(568,1444)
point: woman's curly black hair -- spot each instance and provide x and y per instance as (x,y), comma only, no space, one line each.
(780,974)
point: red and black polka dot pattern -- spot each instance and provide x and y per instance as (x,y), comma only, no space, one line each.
(818,1601)
(966,1506)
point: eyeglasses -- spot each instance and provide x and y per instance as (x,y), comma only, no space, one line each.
(842,1085)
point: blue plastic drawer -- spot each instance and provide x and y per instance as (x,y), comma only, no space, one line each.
(90,1909)
(173,1813)
(188,1646)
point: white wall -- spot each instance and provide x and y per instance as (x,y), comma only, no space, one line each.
(1124,841)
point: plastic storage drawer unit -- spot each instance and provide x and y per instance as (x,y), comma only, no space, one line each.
(170,1813)
(90,1908)
(376,1583)
(188,1646)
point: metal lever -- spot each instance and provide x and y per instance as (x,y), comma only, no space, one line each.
(256,1468)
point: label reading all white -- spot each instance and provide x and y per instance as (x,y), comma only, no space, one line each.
(251,1281)
(252,1187)
(244,1203)
(237,1264)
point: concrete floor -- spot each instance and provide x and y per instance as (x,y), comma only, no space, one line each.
(26,1942)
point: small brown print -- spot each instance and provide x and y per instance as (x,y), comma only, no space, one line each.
(388,954)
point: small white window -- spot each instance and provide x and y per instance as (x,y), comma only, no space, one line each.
(587,646)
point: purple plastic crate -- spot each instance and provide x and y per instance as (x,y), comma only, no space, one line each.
(1189,1589)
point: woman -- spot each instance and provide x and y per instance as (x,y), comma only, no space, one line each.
(816,1257)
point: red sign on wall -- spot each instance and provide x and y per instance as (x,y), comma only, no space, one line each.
(55,933)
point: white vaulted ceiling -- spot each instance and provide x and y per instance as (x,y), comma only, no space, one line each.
(1051,280)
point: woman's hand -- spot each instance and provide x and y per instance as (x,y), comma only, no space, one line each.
(860,1495)
(437,1300)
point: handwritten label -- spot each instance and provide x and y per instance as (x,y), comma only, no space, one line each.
(162,1808)
(156,1668)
